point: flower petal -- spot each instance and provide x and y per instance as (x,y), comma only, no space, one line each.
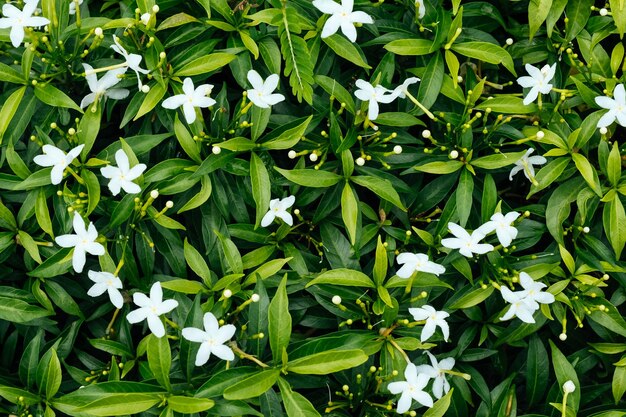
(223,352)
(156,325)
(194,335)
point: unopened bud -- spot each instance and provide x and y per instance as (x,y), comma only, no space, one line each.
(603,130)
(145,88)
(292,154)
(454,154)
(313,157)
(586,229)
(563,337)
(603,12)
(426,134)
(216,150)
(509,41)
(255,298)
(397,149)
(227,293)
(154,193)
(336,300)
(169,204)
(98,31)
(540,134)
(360,161)
(569,387)
(155,9)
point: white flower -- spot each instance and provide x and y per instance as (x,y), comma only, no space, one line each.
(106,281)
(57,159)
(411,389)
(73,6)
(569,387)
(421,8)
(132,60)
(191,99)
(539,81)
(17,20)
(374,95)
(212,339)
(526,163)
(151,308)
(524,303)
(437,371)
(145,18)
(466,244)
(616,107)
(261,92)
(278,208)
(102,87)
(342,17)
(433,319)
(502,226)
(417,262)
(83,242)
(122,176)
(401,90)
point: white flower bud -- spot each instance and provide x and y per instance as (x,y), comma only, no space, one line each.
(169,204)
(360,161)
(162,55)
(255,298)
(540,135)
(397,149)
(154,193)
(586,229)
(313,157)
(569,387)
(145,18)
(227,293)
(426,134)
(336,300)
(155,9)
(563,337)
(459,78)
(453,154)
(509,41)
(292,154)
(145,88)
(603,130)
(98,31)
(603,12)
(216,150)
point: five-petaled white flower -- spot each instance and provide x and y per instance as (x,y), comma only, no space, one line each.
(261,93)
(151,309)
(122,176)
(278,208)
(437,371)
(132,60)
(342,17)
(466,244)
(503,227)
(402,89)
(411,389)
(83,242)
(433,319)
(192,98)
(417,262)
(374,95)
(616,107)
(524,303)
(525,164)
(17,20)
(212,339)
(57,159)
(73,6)
(106,281)
(538,82)
(102,87)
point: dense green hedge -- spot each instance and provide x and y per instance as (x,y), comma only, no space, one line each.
(312,208)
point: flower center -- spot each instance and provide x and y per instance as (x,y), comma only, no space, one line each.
(153,309)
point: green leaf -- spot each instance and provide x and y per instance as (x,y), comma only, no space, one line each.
(41,213)
(431,81)
(160,359)
(381,187)
(346,49)
(54,97)
(12,395)
(279,322)
(610,318)
(334,89)
(49,373)
(9,108)
(463,196)
(261,187)
(289,138)
(614,165)
(380,263)
(565,372)
(537,370)
(259,118)
(618,9)
(29,244)
(548,174)
(233,257)
(205,64)
(398,119)
(618,384)
(310,177)
(588,172)
(253,386)
(343,277)
(440,167)
(328,362)
(440,407)
(471,298)
(558,207)
(410,46)
(189,405)
(508,105)
(88,128)
(189,145)
(8,74)
(196,262)
(537,13)
(93,190)
(295,404)
(487,52)
(578,13)
(199,199)
(349,212)
(154,96)
(19,311)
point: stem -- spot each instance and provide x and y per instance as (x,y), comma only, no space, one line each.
(110,326)
(420,105)
(245,355)
(394,344)
(75,175)
(564,406)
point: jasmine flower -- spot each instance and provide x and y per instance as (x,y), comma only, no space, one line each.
(190,99)
(278,208)
(538,81)
(57,159)
(212,339)
(102,87)
(151,309)
(616,107)
(433,319)
(411,389)
(17,20)
(132,60)
(106,281)
(122,176)
(466,244)
(417,262)
(373,95)
(525,164)
(342,17)
(502,226)
(261,92)
(83,242)
(437,371)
